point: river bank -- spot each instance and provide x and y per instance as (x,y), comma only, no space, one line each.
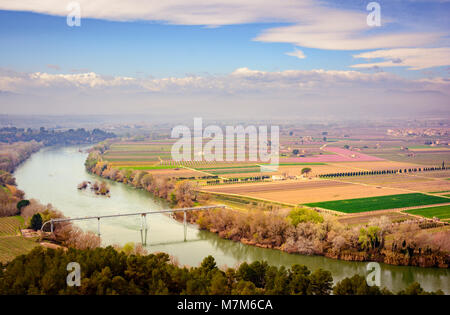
(291,240)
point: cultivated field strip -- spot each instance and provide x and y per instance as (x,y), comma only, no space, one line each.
(10,225)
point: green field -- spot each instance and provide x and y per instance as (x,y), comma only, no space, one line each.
(155,167)
(218,168)
(236,171)
(380,203)
(12,245)
(10,225)
(442,212)
(140,147)
(125,159)
(299,163)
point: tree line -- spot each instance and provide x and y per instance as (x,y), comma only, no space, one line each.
(54,137)
(11,155)
(384,172)
(182,193)
(108,271)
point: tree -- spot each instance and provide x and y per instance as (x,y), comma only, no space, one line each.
(219,285)
(357,285)
(416,289)
(369,238)
(36,222)
(185,194)
(302,215)
(321,282)
(255,272)
(299,280)
(306,171)
(22,203)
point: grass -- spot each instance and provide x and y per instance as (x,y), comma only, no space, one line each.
(240,171)
(144,168)
(12,245)
(226,167)
(6,190)
(10,225)
(380,203)
(300,163)
(142,147)
(132,160)
(442,212)
(420,147)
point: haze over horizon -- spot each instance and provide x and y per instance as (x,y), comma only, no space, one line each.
(255,59)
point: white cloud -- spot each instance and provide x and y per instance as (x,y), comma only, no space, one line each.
(413,58)
(240,81)
(296,53)
(290,92)
(313,23)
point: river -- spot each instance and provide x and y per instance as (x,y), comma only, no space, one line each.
(52,175)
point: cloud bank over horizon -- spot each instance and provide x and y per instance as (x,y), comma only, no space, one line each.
(242,91)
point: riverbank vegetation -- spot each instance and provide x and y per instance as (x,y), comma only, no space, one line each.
(12,154)
(53,137)
(181,193)
(99,188)
(302,232)
(108,271)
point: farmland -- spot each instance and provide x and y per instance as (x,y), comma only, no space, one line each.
(442,212)
(380,203)
(10,225)
(338,155)
(343,182)
(298,192)
(12,244)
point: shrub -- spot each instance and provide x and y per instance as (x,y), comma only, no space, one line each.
(22,203)
(36,222)
(302,215)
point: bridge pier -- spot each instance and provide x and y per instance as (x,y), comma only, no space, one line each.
(144,229)
(185,225)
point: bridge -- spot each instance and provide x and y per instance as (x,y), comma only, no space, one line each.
(144,227)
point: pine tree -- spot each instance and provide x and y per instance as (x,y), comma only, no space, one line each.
(36,222)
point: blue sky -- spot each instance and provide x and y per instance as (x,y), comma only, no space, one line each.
(32,41)
(191,50)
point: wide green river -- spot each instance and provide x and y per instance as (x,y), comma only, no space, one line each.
(52,176)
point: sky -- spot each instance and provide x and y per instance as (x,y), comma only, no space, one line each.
(254,58)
